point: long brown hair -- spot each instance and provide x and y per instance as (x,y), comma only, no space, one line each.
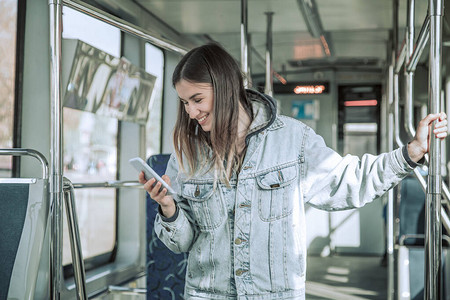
(215,149)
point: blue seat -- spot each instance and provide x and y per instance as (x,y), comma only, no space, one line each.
(165,270)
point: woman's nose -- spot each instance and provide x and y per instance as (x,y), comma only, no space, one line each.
(192,112)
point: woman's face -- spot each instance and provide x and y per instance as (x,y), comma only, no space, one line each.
(198,101)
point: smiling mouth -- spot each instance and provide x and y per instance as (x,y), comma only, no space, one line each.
(202,119)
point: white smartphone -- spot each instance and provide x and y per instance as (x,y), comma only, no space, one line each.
(140,165)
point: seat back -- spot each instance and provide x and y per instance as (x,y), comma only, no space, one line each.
(24,212)
(165,270)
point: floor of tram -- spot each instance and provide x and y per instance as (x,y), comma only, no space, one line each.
(340,277)
(336,277)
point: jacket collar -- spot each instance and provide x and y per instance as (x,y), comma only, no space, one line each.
(264,113)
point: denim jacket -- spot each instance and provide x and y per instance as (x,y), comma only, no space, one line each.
(248,241)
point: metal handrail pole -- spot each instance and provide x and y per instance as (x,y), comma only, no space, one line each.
(127,290)
(400,59)
(75,243)
(423,184)
(397,138)
(391,141)
(108,184)
(445,219)
(55,179)
(28,152)
(268,89)
(433,233)
(409,76)
(390,201)
(244,42)
(422,40)
(125,26)
(398,141)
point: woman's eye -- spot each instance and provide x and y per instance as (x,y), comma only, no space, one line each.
(198,100)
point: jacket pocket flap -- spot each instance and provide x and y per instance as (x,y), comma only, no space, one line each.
(278,178)
(197,192)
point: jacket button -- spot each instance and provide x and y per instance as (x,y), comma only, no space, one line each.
(239,272)
(238,241)
(197,191)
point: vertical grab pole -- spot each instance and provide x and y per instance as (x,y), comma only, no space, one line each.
(244,42)
(409,75)
(268,89)
(56,187)
(433,234)
(390,202)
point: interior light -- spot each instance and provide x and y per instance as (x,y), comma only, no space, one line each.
(309,89)
(361,103)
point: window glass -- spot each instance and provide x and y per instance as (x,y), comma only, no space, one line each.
(154,64)
(90,149)
(8,30)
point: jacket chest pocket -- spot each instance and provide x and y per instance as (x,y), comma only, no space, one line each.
(206,204)
(276,193)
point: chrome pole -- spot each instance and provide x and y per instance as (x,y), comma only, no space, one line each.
(244,42)
(56,191)
(409,76)
(268,89)
(28,152)
(75,243)
(392,110)
(422,40)
(390,201)
(433,234)
(401,59)
(125,26)
(397,138)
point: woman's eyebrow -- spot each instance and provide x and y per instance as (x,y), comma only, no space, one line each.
(195,95)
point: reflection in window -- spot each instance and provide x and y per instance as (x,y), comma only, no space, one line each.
(8,29)
(90,155)
(154,64)
(90,149)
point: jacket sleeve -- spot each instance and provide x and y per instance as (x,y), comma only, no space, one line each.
(179,232)
(333,182)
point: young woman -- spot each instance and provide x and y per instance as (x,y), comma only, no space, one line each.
(243,174)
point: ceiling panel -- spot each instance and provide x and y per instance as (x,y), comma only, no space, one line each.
(358,28)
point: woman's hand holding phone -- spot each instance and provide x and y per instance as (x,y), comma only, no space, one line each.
(153,187)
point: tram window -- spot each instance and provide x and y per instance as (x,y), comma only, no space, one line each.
(154,64)
(8,30)
(79,26)
(360,138)
(90,153)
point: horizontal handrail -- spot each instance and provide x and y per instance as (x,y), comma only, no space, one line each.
(108,184)
(404,237)
(126,290)
(422,41)
(125,26)
(28,152)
